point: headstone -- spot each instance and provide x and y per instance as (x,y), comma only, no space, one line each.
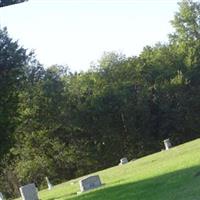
(29,192)
(1,196)
(89,183)
(123,161)
(48,183)
(167,144)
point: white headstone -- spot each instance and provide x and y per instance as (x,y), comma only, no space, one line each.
(89,183)
(123,161)
(167,144)
(48,183)
(1,196)
(29,192)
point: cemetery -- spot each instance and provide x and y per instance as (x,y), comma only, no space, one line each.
(179,165)
(96,133)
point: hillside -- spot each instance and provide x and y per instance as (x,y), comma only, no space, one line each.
(61,123)
(173,174)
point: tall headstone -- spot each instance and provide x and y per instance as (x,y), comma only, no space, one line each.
(89,183)
(1,196)
(48,183)
(29,192)
(123,161)
(167,144)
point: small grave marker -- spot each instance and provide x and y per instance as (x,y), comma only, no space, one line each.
(167,144)
(29,192)
(1,196)
(123,161)
(48,183)
(89,183)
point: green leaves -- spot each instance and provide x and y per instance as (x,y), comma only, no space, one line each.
(186,23)
(13,60)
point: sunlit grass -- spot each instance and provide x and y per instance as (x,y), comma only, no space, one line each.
(171,174)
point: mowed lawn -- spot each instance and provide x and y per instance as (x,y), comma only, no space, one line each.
(167,175)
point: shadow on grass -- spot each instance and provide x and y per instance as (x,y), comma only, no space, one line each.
(62,197)
(180,185)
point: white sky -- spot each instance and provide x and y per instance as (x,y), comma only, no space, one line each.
(77,32)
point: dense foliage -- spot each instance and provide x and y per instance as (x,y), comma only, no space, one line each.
(62,125)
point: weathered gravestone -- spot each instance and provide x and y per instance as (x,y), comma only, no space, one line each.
(123,161)
(29,192)
(1,196)
(48,183)
(89,183)
(167,144)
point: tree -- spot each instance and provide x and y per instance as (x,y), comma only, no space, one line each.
(13,60)
(187,31)
(18,70)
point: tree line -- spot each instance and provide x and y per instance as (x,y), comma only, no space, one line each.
(63,124)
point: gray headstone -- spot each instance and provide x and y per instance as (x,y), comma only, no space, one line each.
(1,196)
(89,183)
(123,161)
(29,192)
(167,144)
(48,183)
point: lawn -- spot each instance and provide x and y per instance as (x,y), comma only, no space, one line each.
(167,175)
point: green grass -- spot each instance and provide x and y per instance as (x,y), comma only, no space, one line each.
(167,175)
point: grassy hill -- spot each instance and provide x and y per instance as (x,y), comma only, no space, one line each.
(167,175)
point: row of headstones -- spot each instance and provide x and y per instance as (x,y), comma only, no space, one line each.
(167,144)
(30,192)
(92,182)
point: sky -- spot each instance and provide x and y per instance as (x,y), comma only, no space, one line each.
(77,32)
